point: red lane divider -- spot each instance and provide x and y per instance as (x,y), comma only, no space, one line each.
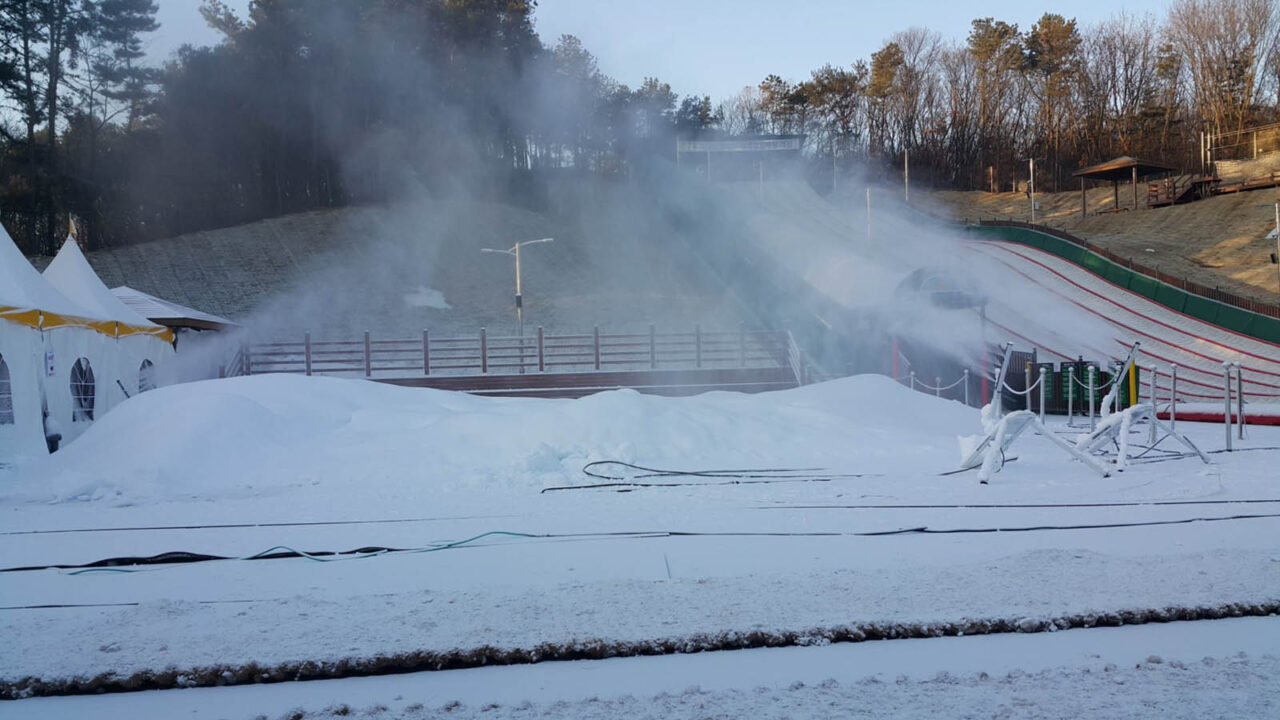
(1217,418)
(1190,368)
(1016,250)
(1126,327)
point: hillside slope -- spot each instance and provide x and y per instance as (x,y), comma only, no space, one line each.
(396,270)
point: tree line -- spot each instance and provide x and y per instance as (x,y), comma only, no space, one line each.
(308,104)
(970,114)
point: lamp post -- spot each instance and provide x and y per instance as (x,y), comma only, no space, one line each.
(1031,189)
(514,251)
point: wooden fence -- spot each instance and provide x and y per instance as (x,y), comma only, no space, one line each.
(539,353)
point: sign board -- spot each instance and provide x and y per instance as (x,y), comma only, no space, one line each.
(48,363)
(738,145)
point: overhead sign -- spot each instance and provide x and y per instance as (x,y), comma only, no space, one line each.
(738,145)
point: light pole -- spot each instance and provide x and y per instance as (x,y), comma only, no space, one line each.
(515,252)
(1031,189)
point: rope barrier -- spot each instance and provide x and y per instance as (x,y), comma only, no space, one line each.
(936,388)
(1031,388)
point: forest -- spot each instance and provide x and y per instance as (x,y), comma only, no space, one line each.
(308,104)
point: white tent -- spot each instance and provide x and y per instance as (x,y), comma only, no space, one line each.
(27,304)
(43,334)
(122,361)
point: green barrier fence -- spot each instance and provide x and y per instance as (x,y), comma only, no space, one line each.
(1240,320)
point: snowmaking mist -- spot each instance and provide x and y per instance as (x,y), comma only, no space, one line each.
(435,180)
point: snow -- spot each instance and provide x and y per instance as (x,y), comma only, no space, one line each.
(270,434)
(234,467)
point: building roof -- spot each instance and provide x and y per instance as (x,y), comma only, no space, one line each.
(1121,168)
(168,313)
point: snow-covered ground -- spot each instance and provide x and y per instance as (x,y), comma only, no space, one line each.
(236,467)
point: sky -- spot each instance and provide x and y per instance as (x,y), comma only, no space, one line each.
(717,47)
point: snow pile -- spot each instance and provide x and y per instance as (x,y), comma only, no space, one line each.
(276,434)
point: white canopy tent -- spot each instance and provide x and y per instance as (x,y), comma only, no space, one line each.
(123,362)
(43,334)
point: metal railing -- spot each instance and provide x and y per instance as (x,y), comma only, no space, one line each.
(540,353)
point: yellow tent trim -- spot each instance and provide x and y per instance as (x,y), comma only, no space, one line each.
(50,321)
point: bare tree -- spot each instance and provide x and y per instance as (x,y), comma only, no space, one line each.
(1229,47)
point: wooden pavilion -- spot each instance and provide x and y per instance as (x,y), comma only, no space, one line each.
(1118,170)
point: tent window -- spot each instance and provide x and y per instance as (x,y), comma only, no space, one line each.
(82,390)
(6,394)
(146,376)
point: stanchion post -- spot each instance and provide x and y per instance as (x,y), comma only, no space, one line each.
(1070,395)
(1151,425)
(306,340)
(1092,371)
(911,379)
(966,387)
(1026,386)
(937,386)
(1173,396)
(1042,374)
(595,343)
(426,352)
(1226,401)
(542,355)
(484,351)
(1240,401)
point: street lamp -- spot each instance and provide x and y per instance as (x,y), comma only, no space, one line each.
(515,252)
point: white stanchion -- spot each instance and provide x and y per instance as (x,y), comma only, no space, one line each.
(1226,401)
(1240,401)
(1042,385)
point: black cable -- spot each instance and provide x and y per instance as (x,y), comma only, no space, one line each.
(625,485)
(647,472)
(185,557)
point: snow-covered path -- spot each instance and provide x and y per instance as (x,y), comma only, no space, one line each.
(236,467)
(1221,668)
